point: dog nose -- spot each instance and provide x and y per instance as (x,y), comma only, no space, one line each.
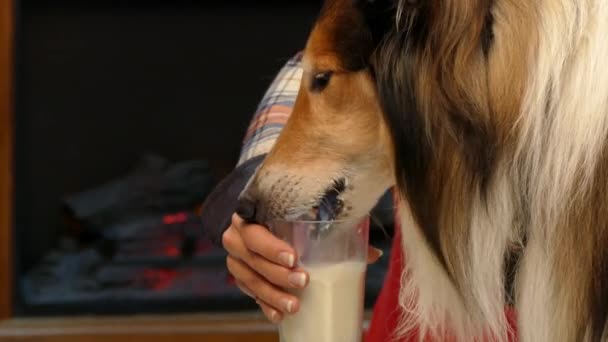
(246,209)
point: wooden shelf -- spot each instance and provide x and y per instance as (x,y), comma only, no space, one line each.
(250,327)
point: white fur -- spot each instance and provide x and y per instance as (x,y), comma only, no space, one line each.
(491,233)
(562,137)
(428,296)
(563,126)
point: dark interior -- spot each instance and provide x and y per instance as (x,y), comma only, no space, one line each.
(100,83)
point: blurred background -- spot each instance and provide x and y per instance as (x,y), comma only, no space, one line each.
(127,113)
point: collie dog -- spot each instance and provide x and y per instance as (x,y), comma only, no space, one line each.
(490,118)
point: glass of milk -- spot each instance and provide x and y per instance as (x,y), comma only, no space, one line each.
(335,256)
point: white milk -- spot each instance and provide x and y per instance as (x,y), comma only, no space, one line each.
(331,306)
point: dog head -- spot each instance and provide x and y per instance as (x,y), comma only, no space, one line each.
(389,87)
(334,155)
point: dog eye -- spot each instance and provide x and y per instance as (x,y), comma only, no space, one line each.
(320,81)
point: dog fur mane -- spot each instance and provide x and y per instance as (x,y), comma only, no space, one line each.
(498,111)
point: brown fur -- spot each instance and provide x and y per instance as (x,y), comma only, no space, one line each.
(430,95)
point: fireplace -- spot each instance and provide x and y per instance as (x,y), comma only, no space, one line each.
(125,115)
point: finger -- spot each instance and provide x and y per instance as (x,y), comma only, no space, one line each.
(274,273)
(233,243)
(271,313)
(261,288)
(260,240)
(244,289)
(277,274)
(373,254)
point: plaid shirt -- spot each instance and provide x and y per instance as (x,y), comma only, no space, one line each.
(273,111)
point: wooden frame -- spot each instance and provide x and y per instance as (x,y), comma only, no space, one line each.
(6,156)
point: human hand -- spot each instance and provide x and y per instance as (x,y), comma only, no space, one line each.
(265,266)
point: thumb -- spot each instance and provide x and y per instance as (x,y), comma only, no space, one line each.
(373,254)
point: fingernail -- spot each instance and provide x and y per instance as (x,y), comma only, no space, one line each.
(274,317)
(287,305)
(287,259)
(380,252)
(297,279)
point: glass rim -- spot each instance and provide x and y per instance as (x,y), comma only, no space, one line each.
(318,221)
(305,221)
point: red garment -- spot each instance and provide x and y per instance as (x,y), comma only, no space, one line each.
(386,310)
